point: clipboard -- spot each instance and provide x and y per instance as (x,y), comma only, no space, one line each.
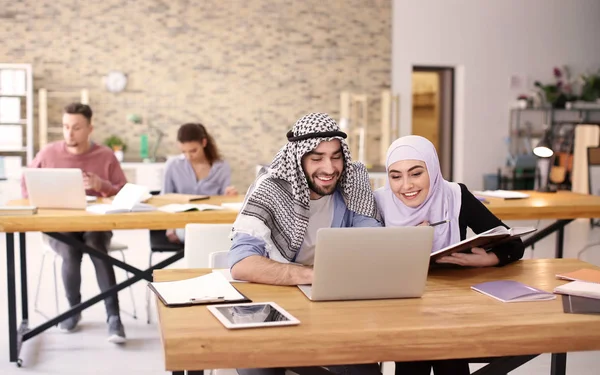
(208,289)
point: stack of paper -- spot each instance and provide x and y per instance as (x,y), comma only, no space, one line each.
(127,200)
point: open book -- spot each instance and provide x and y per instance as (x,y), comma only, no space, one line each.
(202,290)
(512,291)
(127,200)
(176,207)
(485,240)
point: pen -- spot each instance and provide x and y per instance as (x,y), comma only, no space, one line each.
(207,299)
(439,223)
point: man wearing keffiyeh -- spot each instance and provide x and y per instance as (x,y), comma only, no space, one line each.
(311,184)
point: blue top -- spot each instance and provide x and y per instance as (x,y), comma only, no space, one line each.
(245,245)
(180,178)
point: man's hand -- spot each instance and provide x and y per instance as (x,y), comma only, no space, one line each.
(479,258)
(172,236)
(231,190)
(91,181)
(258,269)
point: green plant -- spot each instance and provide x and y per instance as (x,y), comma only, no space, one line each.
(590,91)
(115,142)
(560,92)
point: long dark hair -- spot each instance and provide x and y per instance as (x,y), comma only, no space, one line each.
(196,132)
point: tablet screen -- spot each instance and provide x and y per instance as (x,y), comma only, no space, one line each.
(255,313)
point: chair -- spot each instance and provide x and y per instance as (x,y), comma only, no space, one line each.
(218,259)
(114,247)
(159,244)
(202,240)
(593,164)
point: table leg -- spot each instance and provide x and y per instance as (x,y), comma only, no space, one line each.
(560,241)
(558,364)
(12,299)
(24,295)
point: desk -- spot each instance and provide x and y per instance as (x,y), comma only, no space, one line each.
(53,221)
(562,206)
(449,321)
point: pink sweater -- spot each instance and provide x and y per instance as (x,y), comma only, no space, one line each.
(99,160)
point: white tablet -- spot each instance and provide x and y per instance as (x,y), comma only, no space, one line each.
(251,315)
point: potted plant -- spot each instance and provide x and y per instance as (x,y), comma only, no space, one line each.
(117,145)
(559,93)
(590,91)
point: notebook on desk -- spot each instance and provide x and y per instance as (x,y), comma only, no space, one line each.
(128,199)
(512,291)
(202,290)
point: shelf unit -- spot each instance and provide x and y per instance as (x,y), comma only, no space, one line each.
(23,91)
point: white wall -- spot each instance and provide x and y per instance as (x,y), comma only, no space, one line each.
(488,41)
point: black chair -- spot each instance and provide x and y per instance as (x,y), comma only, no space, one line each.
(159,244)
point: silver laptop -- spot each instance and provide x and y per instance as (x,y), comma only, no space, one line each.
(55,187)
(370,263)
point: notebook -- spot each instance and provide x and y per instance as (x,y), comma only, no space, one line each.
(579,288)
(202,290)
(485,240)
(580,305)
(512,291)
(584,274)
(182,198)
(177,207)
(504,194)
(127,200)
(17,210)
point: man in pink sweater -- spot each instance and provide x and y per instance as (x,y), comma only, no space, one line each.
(102,176)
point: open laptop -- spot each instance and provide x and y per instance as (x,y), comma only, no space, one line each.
(370,263)
(55,187)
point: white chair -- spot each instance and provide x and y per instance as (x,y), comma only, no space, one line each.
(206,246)
(114,246)
(203,239)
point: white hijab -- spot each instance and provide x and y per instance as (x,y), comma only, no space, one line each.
(443,200)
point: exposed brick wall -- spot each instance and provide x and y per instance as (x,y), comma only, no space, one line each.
(246,69)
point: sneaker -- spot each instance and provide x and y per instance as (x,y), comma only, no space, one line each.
(70,324)
(116,331)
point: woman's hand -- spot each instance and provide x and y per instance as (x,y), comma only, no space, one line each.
(424,224)
(479,258)
(172,237)
(231,190)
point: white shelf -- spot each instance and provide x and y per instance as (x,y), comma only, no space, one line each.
(13,95)
(13,149)
(20,122)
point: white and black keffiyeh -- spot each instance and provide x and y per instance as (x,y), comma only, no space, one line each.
(277,205)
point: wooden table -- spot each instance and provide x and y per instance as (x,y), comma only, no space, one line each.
(52,222)
(449,321)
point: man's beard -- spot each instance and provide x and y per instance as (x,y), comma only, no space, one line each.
(319,190)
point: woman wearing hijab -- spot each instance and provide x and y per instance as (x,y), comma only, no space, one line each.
(415,193)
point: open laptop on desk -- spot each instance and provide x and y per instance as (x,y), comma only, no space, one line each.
(370,263)
(55,187)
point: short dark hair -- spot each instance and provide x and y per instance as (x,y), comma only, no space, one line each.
(196,132)
(79,109)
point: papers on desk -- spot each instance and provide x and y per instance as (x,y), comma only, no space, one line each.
(177,207)
(580,289)
(182,198)
(505,194)
(202,290)
(236,206)
(512,291)
(127,200)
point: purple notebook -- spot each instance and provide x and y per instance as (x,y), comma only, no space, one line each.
(512,291)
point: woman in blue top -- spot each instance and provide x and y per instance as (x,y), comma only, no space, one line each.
(199,170)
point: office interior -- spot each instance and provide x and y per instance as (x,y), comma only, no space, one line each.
(474,77)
